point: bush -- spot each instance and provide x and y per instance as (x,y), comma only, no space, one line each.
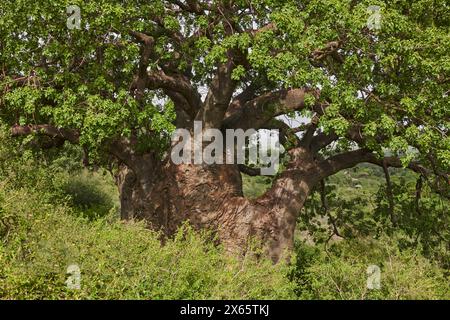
(90,194)
(119,260)
(341,272)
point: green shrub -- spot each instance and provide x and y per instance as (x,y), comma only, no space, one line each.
(90,194)
(119,260)
(341,272)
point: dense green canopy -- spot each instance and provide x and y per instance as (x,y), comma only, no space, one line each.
(128,66)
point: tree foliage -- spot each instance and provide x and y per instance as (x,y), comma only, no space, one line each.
(391,84)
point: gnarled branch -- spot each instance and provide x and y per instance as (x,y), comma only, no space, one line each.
(257,112)
(48,130)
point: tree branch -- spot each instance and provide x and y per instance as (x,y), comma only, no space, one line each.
(48,130)
(321,140)
(309,133)
(250,171)
(246,95)
(257,112)
(218,97)
(158,79)
(349,159)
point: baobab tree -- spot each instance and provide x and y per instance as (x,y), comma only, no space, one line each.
(117,77)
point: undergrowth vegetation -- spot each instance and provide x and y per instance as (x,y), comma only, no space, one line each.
(54,213)
(119,260)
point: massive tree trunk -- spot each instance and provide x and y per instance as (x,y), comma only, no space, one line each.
(211,197)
